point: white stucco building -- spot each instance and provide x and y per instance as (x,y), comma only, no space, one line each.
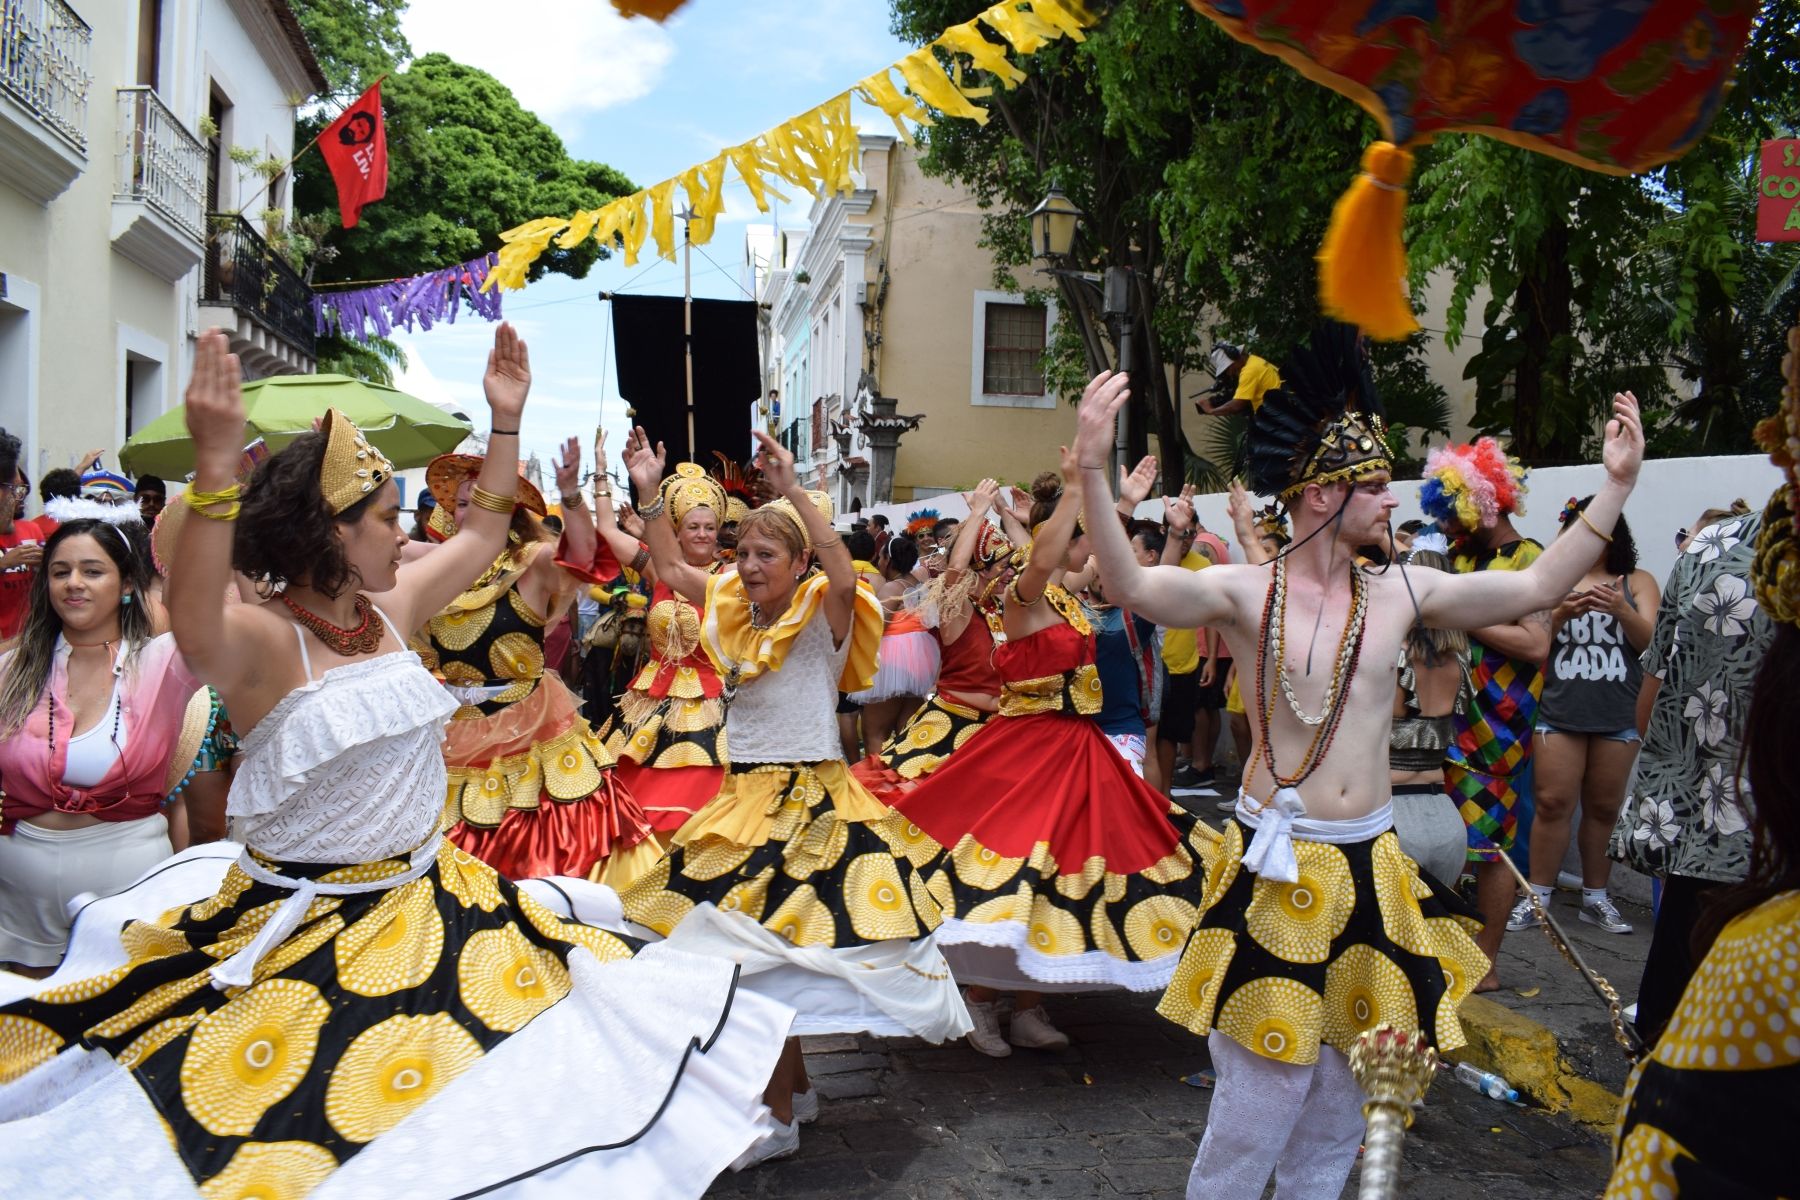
(120,233)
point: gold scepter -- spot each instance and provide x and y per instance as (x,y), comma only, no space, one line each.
(1394,1069)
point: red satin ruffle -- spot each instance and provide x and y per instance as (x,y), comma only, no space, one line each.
(669,795)
(557,837)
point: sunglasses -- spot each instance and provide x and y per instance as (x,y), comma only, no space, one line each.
(1681,535)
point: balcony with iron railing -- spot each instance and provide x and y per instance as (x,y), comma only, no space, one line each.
(270,303)
(44,80)
(157,191)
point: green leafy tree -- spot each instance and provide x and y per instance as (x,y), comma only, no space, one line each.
(355,41)
(1205,166)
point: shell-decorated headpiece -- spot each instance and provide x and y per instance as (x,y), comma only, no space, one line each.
(1324,425)
(991,545)
(786,508)
(352,468)
(1776,568)
(689,487)
(735,510)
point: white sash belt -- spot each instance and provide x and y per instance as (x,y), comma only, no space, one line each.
(1283,818)
(240,969)
(475,694)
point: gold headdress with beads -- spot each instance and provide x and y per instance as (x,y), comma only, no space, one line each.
(688,488)
(1776,568)
(352,468)
(786,508)
(735,510)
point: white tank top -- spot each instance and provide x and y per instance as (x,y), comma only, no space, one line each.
(93,753)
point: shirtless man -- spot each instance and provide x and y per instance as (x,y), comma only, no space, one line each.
(1320,928)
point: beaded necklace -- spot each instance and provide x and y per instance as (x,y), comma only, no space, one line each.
(1343,670)
(115,701)
(362,639)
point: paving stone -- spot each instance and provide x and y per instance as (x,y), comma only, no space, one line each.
(847,1086)
(837,1064)
(1071,1151)
(1043,1185)
(1139,1178)
(1132,1147)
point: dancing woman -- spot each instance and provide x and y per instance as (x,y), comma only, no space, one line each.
(669,732)
(1059,880)
(531,788)
(357,996)
(91,706)
(793,869)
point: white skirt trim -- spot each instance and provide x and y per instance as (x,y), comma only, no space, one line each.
(979,953)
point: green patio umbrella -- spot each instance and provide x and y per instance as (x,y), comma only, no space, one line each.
(282,407)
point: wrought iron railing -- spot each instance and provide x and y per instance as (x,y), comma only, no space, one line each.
(44,51)
(161,163)
(245,273)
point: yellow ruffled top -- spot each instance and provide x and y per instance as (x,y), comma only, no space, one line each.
(741,652)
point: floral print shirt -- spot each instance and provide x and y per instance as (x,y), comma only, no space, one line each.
(1686,814)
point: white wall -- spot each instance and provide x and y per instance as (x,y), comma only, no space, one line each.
(1670,493)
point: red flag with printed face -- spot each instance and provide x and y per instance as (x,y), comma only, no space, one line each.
(355,148)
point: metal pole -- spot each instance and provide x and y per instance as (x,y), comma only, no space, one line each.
(1118,303)
(687,322)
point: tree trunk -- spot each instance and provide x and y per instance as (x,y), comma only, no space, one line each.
(1544,304)
(1164,395)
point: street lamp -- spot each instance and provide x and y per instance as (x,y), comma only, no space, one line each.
(1053,224)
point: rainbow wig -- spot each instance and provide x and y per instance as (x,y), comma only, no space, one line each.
(1474,485)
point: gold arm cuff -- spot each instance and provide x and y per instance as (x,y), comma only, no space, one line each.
(482,498)
(1605,537)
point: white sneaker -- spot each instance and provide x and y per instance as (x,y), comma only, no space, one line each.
(1523,915)
(778,1141)
(806,1106)
(1601,912)
(986,1036)
(1032,1029)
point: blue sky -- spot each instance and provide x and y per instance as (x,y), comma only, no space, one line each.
(649,100)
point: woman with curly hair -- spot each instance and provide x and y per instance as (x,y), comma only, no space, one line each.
(335,1006)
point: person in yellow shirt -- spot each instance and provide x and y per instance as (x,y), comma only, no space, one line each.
(1245,376)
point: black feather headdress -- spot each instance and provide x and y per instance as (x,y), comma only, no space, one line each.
(1324,424)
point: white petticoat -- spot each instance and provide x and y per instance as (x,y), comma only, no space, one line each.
(907,666)
(646,1080)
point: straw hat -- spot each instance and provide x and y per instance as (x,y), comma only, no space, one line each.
(445,473)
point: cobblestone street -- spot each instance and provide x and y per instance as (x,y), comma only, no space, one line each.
(1108,1117)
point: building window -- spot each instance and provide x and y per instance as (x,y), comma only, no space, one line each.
(1007,337)
(1012,353)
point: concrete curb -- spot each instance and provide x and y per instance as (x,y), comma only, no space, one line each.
(1529,1057)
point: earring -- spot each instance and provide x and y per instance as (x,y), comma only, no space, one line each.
(125,600)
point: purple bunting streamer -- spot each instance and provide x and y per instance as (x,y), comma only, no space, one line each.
(435,296)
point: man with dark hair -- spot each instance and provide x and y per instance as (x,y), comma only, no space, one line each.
(878,525)
(861,545)
(21,542)
(152,493)
(61,482)
(944,531)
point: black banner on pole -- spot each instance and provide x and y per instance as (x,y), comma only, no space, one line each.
(653,373)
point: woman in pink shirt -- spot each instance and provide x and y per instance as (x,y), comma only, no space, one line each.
(91,706)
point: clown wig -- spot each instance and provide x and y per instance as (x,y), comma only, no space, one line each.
(1475,485)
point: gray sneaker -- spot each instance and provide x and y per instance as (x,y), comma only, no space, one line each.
(1524,916)
(1602,913)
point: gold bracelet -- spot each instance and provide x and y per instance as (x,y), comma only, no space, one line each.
(480,497)
(232,497)
(1605,537)
(836,541)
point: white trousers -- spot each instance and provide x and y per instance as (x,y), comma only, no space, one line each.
(1303,1124)
(42,870)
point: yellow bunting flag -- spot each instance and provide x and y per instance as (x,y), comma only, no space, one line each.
(817,152)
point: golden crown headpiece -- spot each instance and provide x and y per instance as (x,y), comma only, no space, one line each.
(991,545)
(735,510)
(1776,568)
(352,469)
(1351,448)
(689,487)
(786,508)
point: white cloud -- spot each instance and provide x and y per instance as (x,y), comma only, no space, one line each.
(562,61)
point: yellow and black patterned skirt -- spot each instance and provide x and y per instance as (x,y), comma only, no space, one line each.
(371,1007)
(674,731)
(936,731)
(1359,940)
(800,848)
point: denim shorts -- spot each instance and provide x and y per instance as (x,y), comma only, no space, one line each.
(1628,734)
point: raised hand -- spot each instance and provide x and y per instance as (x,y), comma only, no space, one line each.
(214,406)
(776,463)
(508,378)
(1178,513)
(983,498)
(1106,393)
(1624,450)
(1135,485)
(630,522)
(568,469)
(1069,461)
(643,464)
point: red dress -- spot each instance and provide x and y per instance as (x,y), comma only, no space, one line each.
(943,724)
(1058,854)
(669,736)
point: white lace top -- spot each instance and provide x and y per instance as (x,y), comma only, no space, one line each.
(347,769)
(790,715)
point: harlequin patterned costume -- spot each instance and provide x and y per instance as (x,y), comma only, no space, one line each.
(1493,735)
(794,869)
(1065,875)
(357,995)
(1673,1138)
(530,788)
(669,733)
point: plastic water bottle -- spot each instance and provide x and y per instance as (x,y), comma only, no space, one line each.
(1487,1083)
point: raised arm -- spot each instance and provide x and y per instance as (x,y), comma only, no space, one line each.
(580,537)
(1011,523)
(1178,515)
(222,643)
(1243,524)
(1170,596)
(645,466)
(625,548)
(1490,598)
(426,585)
(777,466)
(1050,546)
(962,553)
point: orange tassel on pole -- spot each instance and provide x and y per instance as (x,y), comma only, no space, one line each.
(1362,261)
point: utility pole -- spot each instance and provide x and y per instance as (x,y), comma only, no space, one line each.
(687,320)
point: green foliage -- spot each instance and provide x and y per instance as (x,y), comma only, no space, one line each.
(355,41)
(465,163)
(373,360)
